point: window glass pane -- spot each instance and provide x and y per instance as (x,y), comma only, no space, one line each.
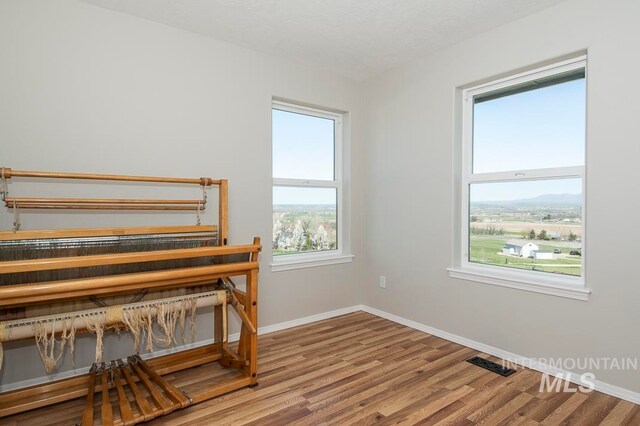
(304,220)
(534,225)
(303,146)
(530,128)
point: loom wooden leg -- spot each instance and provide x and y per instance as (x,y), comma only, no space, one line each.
(251,309)
(218,326)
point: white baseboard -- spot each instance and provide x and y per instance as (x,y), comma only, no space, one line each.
(508,356)
(603,387)
(307,320)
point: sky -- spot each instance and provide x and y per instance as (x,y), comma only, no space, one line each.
(303,148)
(536,129)
(539,128)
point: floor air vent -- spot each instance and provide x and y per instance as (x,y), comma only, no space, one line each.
(491,366)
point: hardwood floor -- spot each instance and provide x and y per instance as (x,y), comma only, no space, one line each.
(362,369)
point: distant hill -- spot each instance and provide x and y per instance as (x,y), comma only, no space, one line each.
(304,207)
(539,201)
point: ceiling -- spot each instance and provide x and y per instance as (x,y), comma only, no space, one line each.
(356,38)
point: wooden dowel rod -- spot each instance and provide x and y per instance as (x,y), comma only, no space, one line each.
(9,173)
(104,232)
(54,263)
(104,207)
(19,331)
(11,201)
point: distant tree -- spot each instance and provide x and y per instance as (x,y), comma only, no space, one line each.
(547,217)
(572,236)
(532,234)
(473,219)
(321,239)
(307,234)
(543,235)
(298,239)
(277,234)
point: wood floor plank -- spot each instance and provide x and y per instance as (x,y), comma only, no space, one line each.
(362,369)
(618,413)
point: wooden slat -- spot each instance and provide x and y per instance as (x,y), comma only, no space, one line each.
(161,402)
(174,394)
(145,408)
(186,359)
(30,265)
(106,411)
(16,295)
(103,232)
(126,413)
(87,416)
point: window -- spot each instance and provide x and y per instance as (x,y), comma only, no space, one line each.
(522,174)
(307,187)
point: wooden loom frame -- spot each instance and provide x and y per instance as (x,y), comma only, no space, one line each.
(244,360)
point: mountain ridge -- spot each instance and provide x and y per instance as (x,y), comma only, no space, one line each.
(566,199)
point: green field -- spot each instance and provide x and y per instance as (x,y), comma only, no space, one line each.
(488,249)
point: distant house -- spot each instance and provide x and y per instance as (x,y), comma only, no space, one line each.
(542,254)
(519,248)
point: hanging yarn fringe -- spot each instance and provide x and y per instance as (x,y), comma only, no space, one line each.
(96,325)
(140,319)
(46,343)
(132,319)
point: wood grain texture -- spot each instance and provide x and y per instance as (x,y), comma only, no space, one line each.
(361,369)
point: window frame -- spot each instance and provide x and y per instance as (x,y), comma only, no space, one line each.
(547,283)
(307,259)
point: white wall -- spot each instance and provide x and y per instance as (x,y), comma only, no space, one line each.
(409,225)
(86,89)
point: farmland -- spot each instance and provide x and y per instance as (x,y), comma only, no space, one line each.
(488,250)
(551,226)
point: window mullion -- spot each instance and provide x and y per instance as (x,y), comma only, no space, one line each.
(524,175)
(305,183)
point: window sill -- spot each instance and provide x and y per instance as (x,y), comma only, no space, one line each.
(300,261)
(554,286)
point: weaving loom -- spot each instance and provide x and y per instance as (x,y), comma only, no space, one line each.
(148,281)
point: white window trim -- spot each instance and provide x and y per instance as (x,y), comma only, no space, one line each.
(557,285)
(321,258)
